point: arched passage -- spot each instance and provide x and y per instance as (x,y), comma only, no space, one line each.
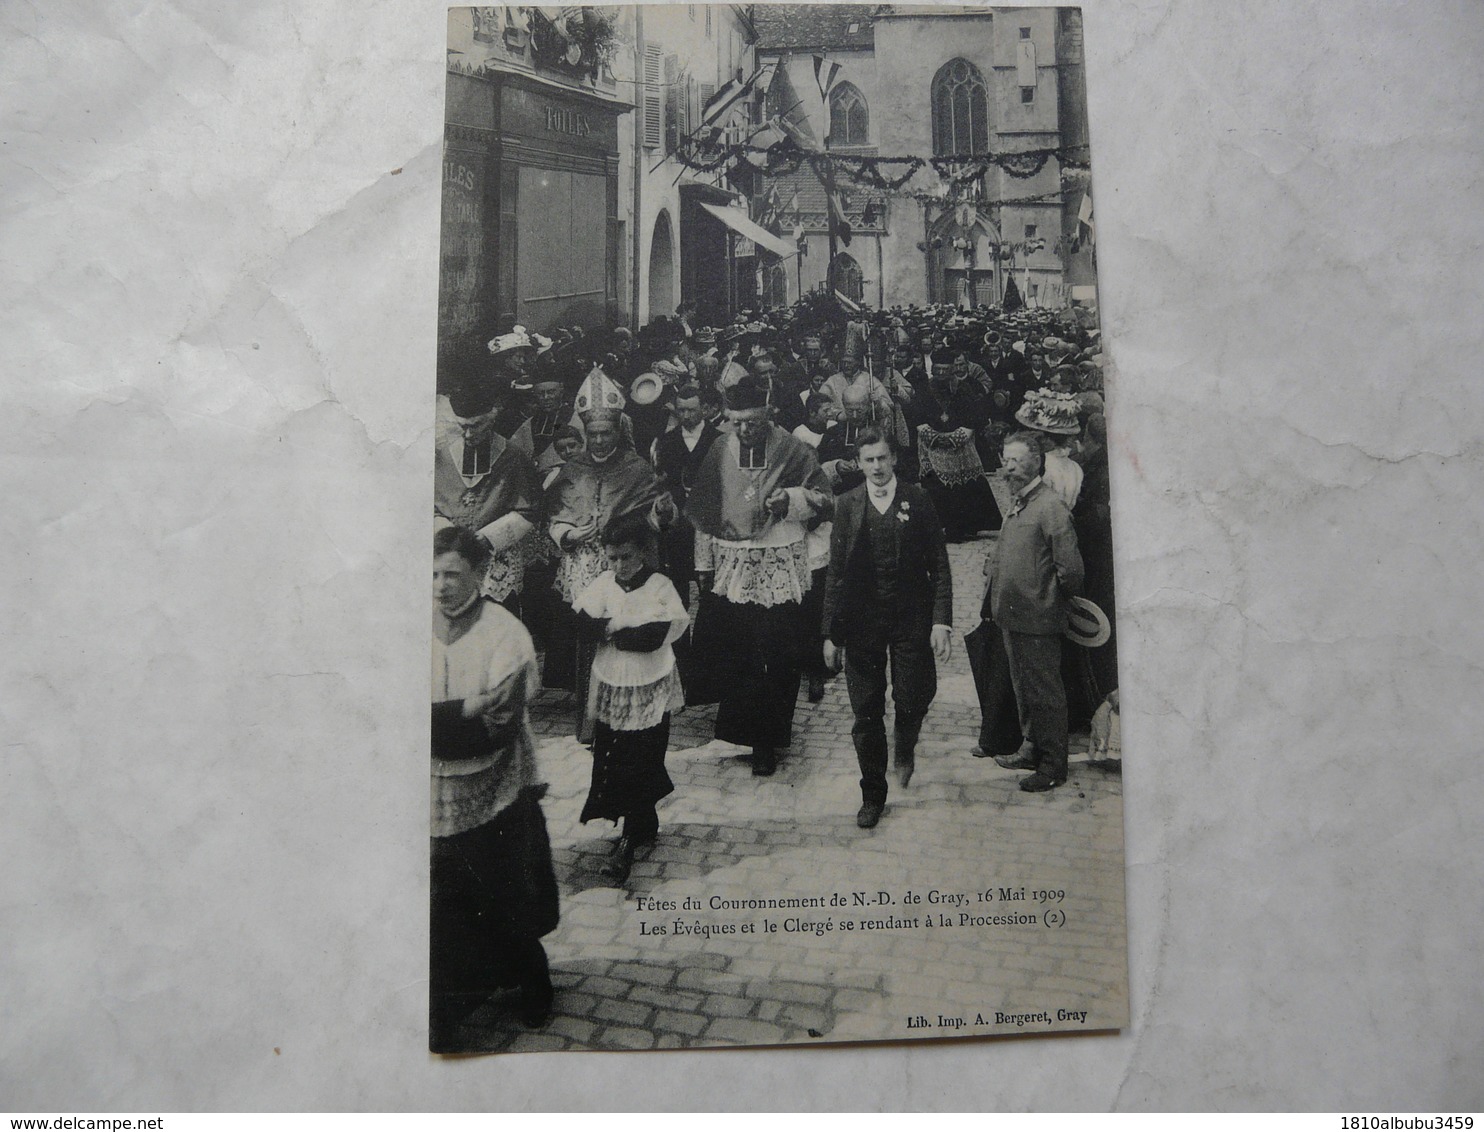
(662,268)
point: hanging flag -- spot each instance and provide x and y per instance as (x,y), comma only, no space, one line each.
(824,79)
(728,96)
(767,214)
(838,224)
(1013,301)
(765,81)
(1084,214)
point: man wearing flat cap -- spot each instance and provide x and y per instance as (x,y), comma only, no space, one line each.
(756,494)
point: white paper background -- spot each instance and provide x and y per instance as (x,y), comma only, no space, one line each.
(218,308)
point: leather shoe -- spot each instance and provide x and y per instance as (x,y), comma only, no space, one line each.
(979,753)
(1017,761)
(905,771)
(533,1005)
(764,763)
(623,861)
(816,688)
(1039,782)
(869,815)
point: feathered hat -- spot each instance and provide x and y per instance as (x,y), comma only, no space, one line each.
(517,339)
(1046,410)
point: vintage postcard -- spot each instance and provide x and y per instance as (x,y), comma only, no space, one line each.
(775,693)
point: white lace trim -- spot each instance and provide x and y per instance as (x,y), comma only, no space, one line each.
(507,570)
(579,569)
(762,575)
(640,707)
(954,465)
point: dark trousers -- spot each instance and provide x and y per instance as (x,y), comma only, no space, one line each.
(812,662)
(641,825)
(678,556)
(914,683)
(1035,673)
(757,655)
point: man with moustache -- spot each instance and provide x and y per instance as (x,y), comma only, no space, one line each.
(1033,568)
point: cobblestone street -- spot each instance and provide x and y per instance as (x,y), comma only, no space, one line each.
(962,827)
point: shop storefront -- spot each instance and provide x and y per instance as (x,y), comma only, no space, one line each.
(531,233)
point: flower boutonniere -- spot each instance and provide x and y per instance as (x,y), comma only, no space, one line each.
(904,511)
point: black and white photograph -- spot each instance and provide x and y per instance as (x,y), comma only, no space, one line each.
(775,686)
(780,377)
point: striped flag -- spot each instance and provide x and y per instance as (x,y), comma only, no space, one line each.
(822,78)
(728,96)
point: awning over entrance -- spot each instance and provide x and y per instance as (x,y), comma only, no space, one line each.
(738,221)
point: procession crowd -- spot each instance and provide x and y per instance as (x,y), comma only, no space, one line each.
(699,515)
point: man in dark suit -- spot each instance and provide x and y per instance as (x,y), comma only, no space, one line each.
(677,456)
(888,594)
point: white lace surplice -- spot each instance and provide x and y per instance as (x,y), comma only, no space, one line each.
(772,569)
(632,691)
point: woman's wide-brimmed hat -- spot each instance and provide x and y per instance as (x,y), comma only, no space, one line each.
(1087,625)
(1047,410)
(517,339)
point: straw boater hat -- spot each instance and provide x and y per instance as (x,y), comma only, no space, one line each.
(1087,625)
(646,389)
(1048,411)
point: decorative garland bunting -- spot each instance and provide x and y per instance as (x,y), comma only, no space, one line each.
(867,170)
(784,157)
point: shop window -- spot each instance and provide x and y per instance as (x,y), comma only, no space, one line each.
(509,237)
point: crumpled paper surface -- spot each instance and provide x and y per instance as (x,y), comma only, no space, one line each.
(220,229)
